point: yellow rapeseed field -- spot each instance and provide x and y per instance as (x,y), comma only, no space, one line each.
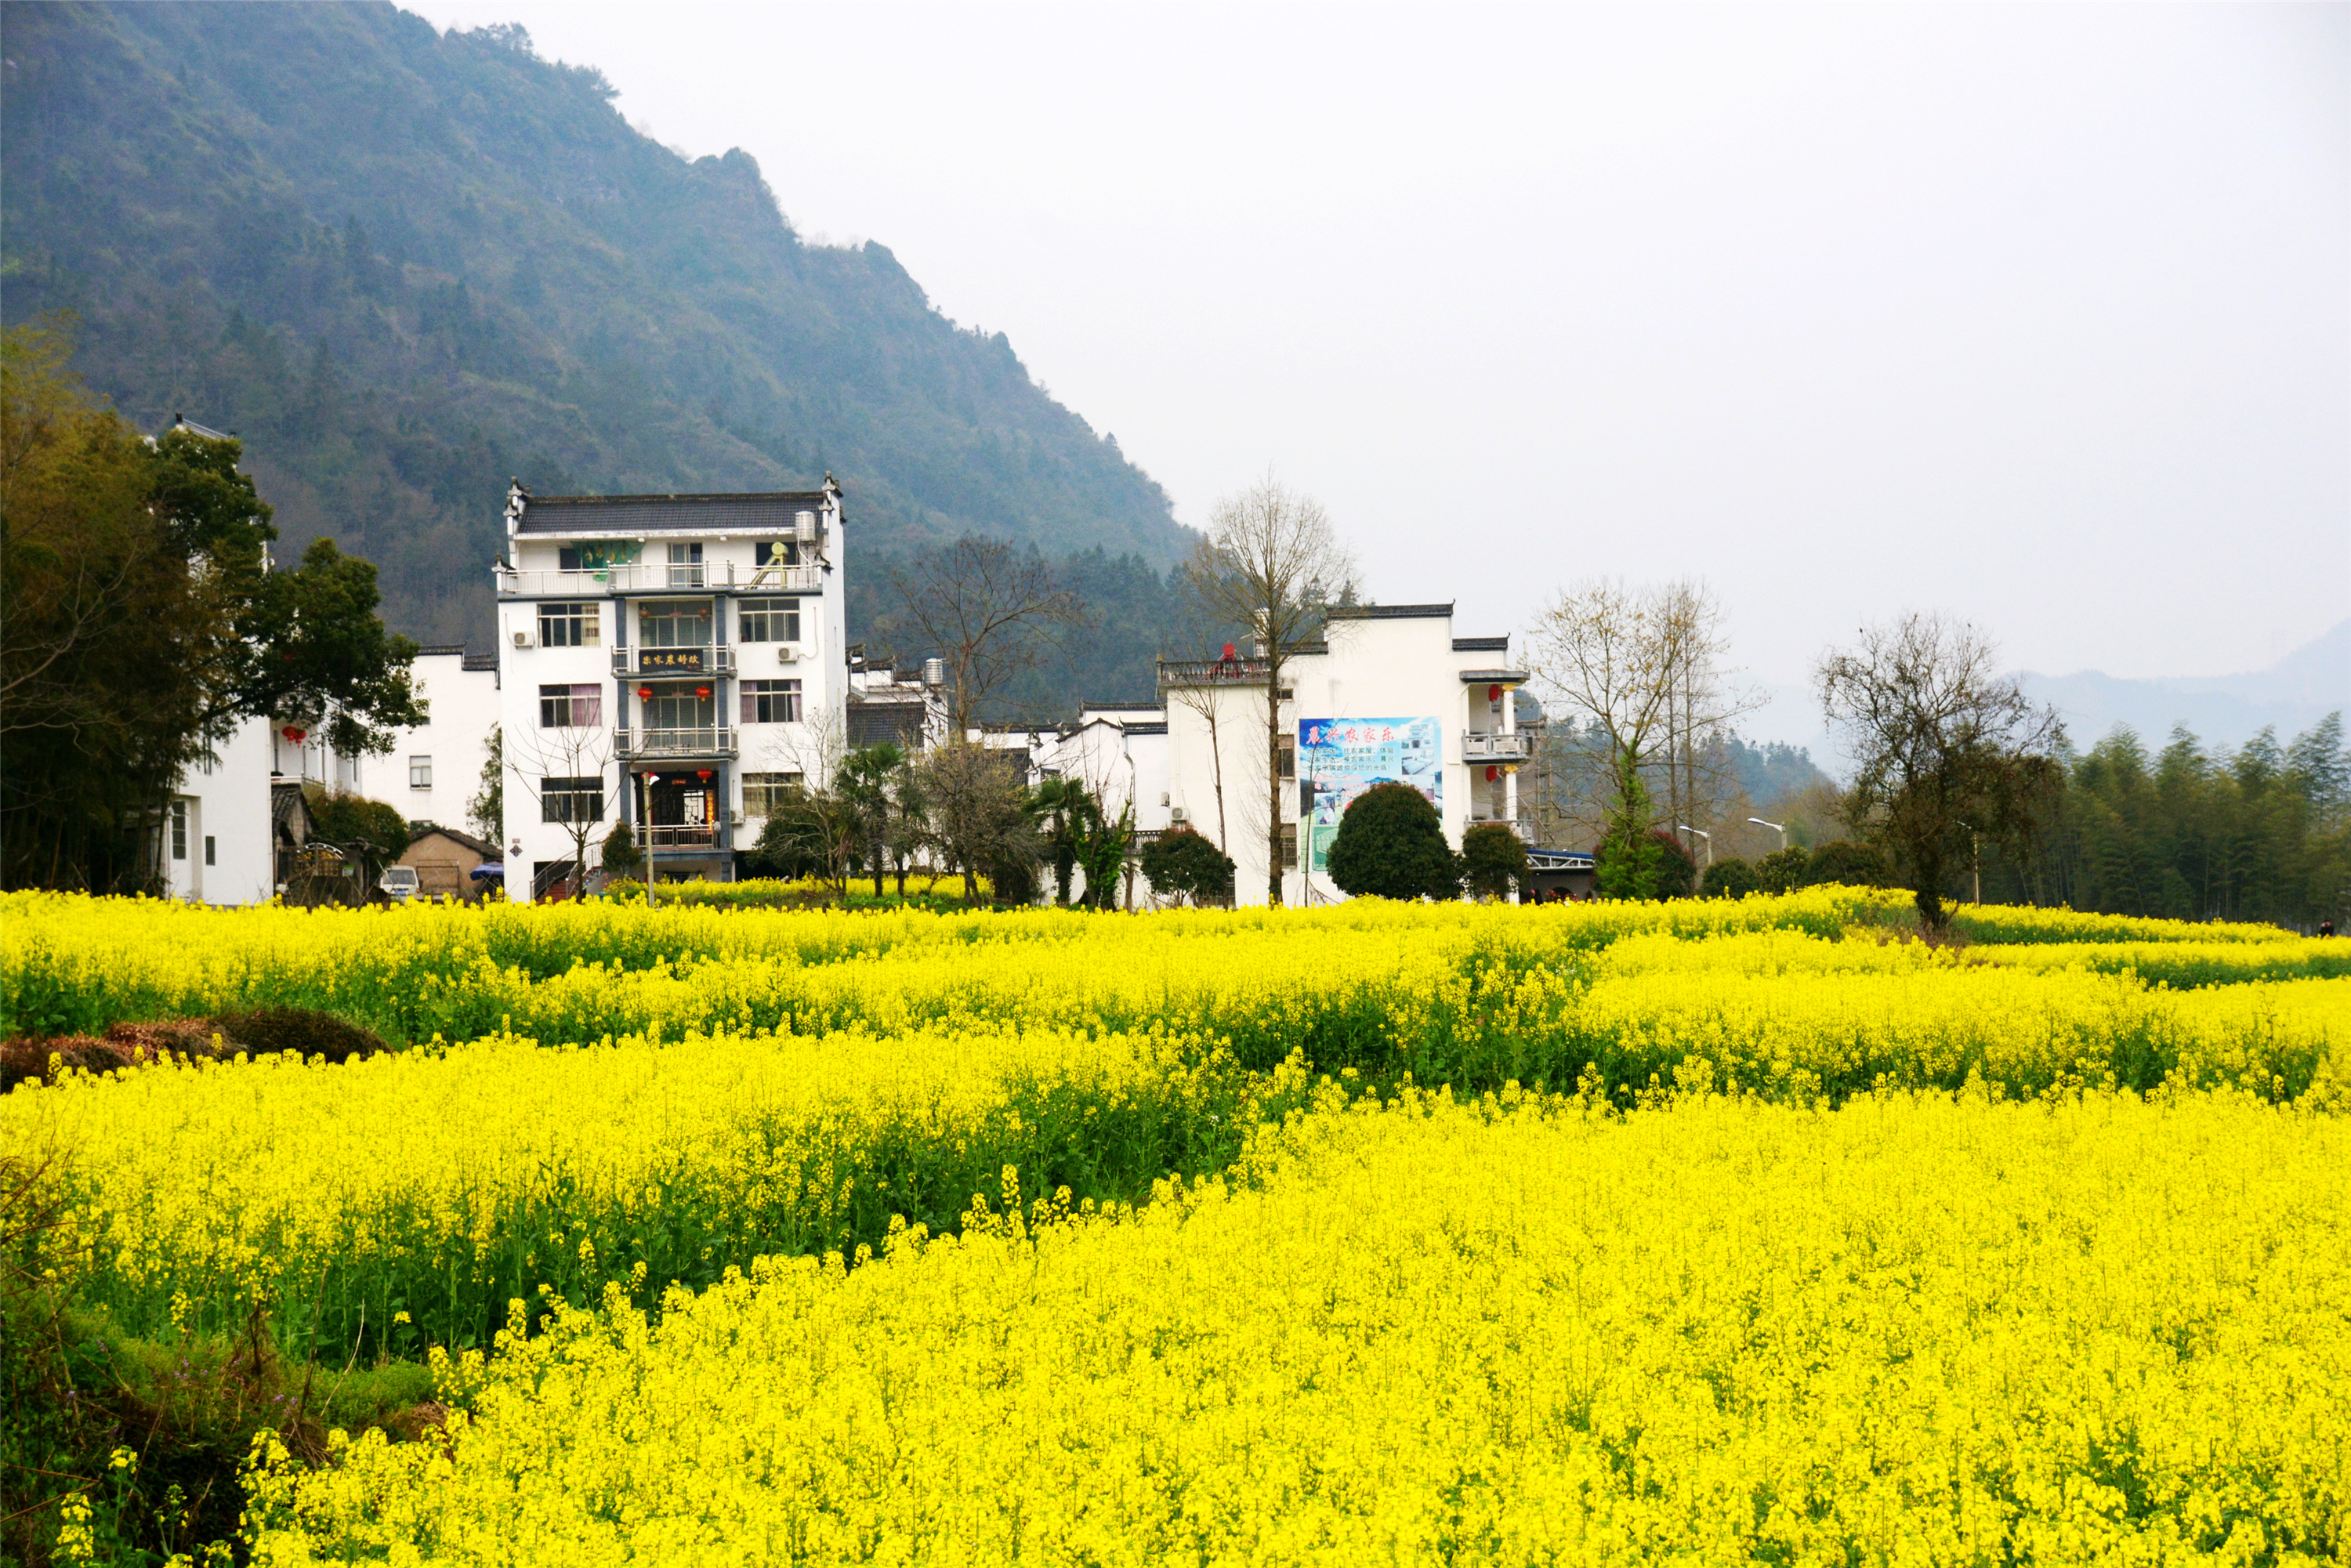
(1925,1330)
(1715,1231)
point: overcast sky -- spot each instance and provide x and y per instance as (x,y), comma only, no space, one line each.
(2039,316)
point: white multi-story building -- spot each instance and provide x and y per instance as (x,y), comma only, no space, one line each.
(1391,696)
(672,662)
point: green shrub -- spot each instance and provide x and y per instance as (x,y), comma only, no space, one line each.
(1390,845)
(1730,879)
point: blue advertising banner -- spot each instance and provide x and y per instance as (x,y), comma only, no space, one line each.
(1338,758)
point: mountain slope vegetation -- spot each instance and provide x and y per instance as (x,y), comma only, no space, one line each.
(404,265)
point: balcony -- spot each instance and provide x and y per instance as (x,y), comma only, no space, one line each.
(1211,672)
(639,744)
(705,660)
(704,836)
(1480,747)
(645,577)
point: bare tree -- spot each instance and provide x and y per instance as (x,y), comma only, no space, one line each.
(551,765)
(1946,750)
(1271,564)
(1642,666)
(1202,700)
(978,815)
(825,826)
(990,611)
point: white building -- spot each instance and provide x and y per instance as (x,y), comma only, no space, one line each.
(218,836)
(434,772)
(1391,696)
(672,662)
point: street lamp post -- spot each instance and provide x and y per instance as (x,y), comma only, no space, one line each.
(1774,826)
(1702,834)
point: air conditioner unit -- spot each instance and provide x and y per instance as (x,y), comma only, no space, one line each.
(787,653)
(1177,815)
(522,639)
(1163,797)
(733,818)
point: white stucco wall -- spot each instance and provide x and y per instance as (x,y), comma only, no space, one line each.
(461,708)
(225,808)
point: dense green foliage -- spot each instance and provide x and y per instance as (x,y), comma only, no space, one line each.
(1391,843)
(1784,871)
(1842,861)
(1493,860)
(1181,863)
(1730,879)
(2260,834)
(141,620)
(405,265)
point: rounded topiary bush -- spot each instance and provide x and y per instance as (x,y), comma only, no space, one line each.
(1494,858)
(1181,863)
(1728,879)
(1390,845)
(1783,870)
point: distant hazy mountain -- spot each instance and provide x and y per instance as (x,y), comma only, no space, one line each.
(2220,710)
(405,265)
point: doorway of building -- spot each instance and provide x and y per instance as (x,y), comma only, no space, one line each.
(681,810)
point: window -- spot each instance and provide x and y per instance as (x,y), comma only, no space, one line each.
(208,851)
(685,625)
(771,620)
(571,799)
(763,793)
(419,769)
(783,552)
(772,702)
(677,706)
(1289,847)
(578,706)
(567,625)
(179,829)
(685,566)
(1288,757)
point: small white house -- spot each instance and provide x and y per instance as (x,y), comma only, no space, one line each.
(217,836)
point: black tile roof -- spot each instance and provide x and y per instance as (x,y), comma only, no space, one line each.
(1159,728)
(441,648)
(1482,645)
(1390,612)
(479,661)
(739,514)
(1494,675)
(1119,708)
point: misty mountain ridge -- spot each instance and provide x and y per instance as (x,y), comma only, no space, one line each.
(2290,695)
(404,266)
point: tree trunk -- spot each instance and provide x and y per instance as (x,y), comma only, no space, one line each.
(1273,775)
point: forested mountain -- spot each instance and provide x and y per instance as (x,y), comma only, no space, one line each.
(404,265)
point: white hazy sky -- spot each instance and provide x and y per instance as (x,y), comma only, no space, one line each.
(2038,315)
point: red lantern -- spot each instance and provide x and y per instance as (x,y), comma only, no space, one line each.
(703,774)
(701,692)
(647,693)
(295,733)
(1492,773)
(1494,693)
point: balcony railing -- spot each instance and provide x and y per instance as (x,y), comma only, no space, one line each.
(705,660)
(1477,747)
(702,837)
(658,578)
(1211,672)
(707,742)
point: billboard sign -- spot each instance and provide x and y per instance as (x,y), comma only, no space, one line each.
(1338,758)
